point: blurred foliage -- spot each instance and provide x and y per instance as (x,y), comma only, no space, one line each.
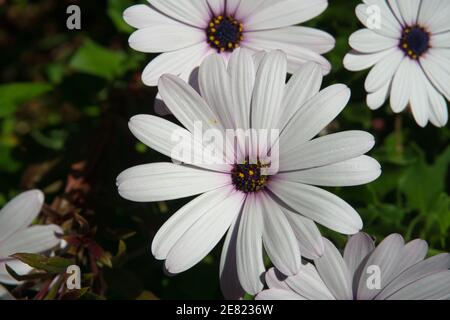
(65,100)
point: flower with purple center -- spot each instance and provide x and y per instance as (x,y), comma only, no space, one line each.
(409,52)
(258,206)
(187,31)
(391,271)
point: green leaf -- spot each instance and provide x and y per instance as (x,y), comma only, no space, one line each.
(96,60)
(41,262)
(422,184)
(12,95)
(115,12)
(7,162)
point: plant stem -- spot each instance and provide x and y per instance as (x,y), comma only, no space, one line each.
(398,134)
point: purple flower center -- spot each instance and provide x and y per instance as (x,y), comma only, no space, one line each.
(224,33)
(249,177)
(415,41)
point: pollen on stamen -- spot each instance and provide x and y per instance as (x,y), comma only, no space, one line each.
(224,33)
(249,177)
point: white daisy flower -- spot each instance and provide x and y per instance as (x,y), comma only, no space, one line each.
(409,51)
(17,236)
(274,211)
(392,271)
(187,31)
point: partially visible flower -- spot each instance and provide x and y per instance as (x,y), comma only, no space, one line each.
(392,271)
(187,31)
(4,294)
(17,236)
(275,210)
(410,54)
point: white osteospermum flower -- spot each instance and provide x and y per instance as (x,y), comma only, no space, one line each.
(187,31)
(410,55)
(404,273)
(276,211)
(17,236)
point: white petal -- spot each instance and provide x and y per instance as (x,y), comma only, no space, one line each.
(441,40)
(310,38)
(35,239)
(307,234)
(319,205)
(438,111)
(308,283)
(419,97)
(356,249)
(229,279)
(18,266)
(386,257)
(296,55)
(369,41)
(284,13)
(432,287)
(244,9)
(334,272)
(162,38)
(250,264)
(195,12)
(186,104)
(276,280)
(184,218)
(438,71)
(383,71)
(204,234)
(232,5)
(355,61)
(435,264)
(278,237)
(376,99)
(178,62)
(303,84)
(169,138)
(401,85)
(269,90)
(215,88)
(190,77)
(143,16)
(217,6)
(325,150)
(412,253)
(167,181)
(242,73)
(278,294)
(315,115)
(20,212)
(353,172)
(389,26)
(434,15)
(409,10)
